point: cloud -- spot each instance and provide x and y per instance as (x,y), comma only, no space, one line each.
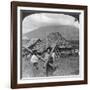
(35,21)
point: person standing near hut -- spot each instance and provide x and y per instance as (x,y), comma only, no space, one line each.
(34,59)
(46,57)
(49,64)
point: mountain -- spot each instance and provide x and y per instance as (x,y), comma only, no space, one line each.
(43,37)
(68,32)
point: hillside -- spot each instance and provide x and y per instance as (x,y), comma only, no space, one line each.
(68,32)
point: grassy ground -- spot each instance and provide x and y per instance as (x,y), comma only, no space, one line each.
(66,66)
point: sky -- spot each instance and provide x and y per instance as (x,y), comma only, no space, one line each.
(35,21)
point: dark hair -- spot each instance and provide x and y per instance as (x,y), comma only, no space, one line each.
(49,48)
(35,52)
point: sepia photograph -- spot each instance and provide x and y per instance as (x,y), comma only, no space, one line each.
(49,44)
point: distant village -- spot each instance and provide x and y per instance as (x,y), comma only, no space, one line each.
(63,47)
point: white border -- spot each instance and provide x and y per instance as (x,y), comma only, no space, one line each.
(59,78)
